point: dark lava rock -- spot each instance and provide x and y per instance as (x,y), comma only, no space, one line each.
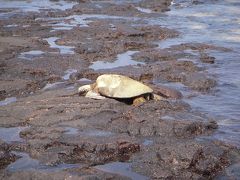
(182,159)
(167,92)
(6,156)
(200,82)
(207,59)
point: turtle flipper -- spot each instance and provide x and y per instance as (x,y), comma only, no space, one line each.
(83,90)
(94,95)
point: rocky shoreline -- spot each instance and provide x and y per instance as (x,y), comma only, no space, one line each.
(46,56)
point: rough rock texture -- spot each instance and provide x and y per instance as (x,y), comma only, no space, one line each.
(66,136)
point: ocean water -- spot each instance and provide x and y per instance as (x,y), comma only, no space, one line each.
(216,23)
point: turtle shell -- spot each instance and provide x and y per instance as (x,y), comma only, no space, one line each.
(118,86)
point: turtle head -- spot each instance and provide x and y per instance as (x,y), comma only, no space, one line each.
(84,89)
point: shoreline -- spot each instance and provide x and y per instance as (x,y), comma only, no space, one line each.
(46,56)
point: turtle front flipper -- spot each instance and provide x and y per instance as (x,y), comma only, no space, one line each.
(83,90)
(90,91)
(94,95)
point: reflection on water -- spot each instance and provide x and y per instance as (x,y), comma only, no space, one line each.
(13,6)
(71,131)
(217,23)
(83,20)
(203,22)
(144,10)
(212,22)
(67,23)
(84,80)
(11,134)
(68,73)
(124,59)
(11,25)
(25,162)
(30,55)
(8,101)
(91,132)
(233,170)
(52,86)
(96,133)
(36,6)
(225,102)
(63,49)
(147,142)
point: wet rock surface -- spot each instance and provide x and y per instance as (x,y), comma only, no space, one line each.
(6,157)
(68,136)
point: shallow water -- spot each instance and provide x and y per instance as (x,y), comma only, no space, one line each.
(15,6)
(92,133)
(83,20)
(35,6)
(85,80)
(97,133)
(11,134)
(68,73)
(121,168)
(52,86)
(11,25)
(123,59)
(144,10)
(8,101)
(206,23)
(30,55)
(25,162)
(147,142)
(62,49)
(71,131)
(67,23)
(212,22)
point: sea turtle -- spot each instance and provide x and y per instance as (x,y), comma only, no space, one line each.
(118,87)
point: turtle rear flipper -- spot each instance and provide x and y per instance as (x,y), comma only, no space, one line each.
(157,97)
(138,101)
